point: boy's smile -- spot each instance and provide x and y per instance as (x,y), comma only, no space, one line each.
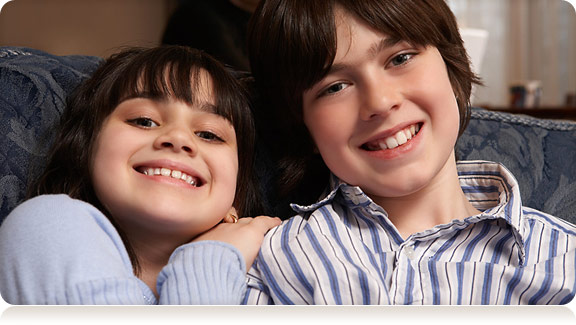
(392,143)
(385,117)
(166,167)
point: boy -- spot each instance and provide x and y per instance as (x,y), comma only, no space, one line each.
(380,89)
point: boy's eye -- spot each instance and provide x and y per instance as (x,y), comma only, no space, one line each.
(335,88)
(401,59)
(143,122)
(209,136)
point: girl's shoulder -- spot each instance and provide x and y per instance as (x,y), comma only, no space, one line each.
(49,202)
(54,214)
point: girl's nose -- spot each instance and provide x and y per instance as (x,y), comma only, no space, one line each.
(177,139)
(379,99)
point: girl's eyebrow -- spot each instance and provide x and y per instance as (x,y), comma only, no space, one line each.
(207,107)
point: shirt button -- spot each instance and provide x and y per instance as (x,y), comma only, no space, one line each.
(410,253)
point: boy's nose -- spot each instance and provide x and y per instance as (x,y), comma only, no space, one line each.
(379,100)
(177,140)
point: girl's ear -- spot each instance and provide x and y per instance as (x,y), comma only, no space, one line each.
(231,216)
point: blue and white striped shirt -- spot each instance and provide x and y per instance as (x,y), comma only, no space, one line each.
(344,250)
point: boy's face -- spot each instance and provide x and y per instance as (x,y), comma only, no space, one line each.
(385,118)
(166,168)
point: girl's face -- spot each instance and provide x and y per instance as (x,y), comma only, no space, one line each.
(385,117)
(166,168)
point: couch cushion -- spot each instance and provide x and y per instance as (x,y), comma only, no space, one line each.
(34,85)
(33,90)
(540,153)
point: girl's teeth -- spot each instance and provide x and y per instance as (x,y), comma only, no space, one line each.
(171,173)
(176,174)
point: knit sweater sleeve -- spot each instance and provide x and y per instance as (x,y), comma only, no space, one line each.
(56,250)
(200,273)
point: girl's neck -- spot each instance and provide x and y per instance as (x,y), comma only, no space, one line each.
(438,203)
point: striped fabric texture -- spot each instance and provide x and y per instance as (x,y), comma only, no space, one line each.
(344,250)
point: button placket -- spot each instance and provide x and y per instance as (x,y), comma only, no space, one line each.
(409,252)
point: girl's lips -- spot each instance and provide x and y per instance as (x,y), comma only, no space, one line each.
(392,139)
(175,174)
(171,169)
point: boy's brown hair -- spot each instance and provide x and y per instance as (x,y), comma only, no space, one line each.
(291,46)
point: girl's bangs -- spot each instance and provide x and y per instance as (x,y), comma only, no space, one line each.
(161,81)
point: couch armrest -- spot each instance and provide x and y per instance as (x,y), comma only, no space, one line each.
(33,90)
(541,153)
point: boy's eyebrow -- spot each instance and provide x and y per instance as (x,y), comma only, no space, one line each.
(378,47)
(382,45)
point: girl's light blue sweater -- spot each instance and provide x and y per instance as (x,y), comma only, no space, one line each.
(57,250)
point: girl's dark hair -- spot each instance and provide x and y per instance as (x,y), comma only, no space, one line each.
(292,44)
(160,73)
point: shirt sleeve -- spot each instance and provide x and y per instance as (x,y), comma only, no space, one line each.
(257,292)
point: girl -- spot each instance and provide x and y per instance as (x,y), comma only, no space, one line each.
(154,150)
(375,93)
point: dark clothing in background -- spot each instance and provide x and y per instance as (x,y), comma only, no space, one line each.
(215,26)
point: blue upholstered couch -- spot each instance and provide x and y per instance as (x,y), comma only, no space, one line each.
(34,85)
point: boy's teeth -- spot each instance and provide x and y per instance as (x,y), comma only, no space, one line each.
(171,173)
(391,142)
(398,139)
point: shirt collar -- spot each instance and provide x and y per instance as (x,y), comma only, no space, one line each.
(489,186)
(492,189)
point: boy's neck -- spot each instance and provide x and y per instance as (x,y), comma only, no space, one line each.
(438,203)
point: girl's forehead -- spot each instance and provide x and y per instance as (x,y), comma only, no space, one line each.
(168,85)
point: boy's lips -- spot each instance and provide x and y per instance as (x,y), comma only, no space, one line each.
(172,170)
(396,139)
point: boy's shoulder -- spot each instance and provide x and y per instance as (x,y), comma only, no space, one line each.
(535,218)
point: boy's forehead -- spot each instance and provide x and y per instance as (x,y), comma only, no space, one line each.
(347,27)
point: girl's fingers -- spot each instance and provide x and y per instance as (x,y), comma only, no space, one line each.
(265,223)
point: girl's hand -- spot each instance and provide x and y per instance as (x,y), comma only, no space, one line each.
(246,234)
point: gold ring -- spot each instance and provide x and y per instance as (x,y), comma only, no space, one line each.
(234,217)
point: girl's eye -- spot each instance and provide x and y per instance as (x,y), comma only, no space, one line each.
(209,136)
(401,59)
(335,88)
(143,122)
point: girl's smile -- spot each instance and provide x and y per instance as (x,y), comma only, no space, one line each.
(171,172)
(165,166)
